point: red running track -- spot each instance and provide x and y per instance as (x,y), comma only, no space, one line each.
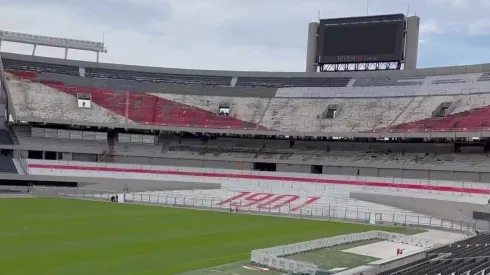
(413,186)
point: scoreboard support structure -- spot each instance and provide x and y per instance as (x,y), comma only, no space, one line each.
(382,42)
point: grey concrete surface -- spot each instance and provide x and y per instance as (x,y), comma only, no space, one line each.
(142,185)
(433,207)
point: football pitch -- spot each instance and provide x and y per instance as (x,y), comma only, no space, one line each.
(69,236)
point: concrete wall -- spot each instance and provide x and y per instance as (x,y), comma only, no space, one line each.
(432,207)
(148,185)
(113,183)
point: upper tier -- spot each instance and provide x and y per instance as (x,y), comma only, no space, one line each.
(54,101)
(236,78)
(45,90)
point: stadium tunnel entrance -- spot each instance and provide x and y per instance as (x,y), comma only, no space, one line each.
(261,166)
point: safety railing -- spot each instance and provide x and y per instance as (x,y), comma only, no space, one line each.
(23,161)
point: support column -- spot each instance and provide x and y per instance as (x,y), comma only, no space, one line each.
(66,53)
(311,48)
(34,49)
(412,42)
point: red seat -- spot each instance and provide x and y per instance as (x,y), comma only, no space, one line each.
(472,120)
(25,75)
(154,110)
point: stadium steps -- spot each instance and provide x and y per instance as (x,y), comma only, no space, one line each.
(401,113)
(20,168)
(259,122)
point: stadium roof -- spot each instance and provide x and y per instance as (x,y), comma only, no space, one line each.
(419,72)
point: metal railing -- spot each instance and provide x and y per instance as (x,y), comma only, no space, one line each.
(273,257)
(23,161)
(322,212)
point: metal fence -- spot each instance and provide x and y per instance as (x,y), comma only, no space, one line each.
(323,212)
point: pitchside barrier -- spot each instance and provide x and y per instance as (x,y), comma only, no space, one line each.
(324,212)
(274,257)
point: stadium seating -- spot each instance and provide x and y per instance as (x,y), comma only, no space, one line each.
(280,82)
(23,67)
(464,121)
(5,137)
(384,81)
(53,100)
(54,143)
(470,255)
(38,100)
(484,77)
(159,77)
(7,166)
(212,149)
(363,106)
(153,109)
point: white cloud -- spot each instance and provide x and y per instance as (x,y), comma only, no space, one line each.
(456,4)
(479,27)
(430,27)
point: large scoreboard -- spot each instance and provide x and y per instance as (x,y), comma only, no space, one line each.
(363,43)
(361,39)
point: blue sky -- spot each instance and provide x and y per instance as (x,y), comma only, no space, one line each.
(237,34)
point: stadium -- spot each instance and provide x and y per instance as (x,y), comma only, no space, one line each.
(362,164)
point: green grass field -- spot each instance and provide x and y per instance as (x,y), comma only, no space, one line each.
(70,237)
(334,257)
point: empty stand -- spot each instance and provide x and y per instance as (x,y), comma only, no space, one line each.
(470,255)
(23,66)
(356,114)
(7,166)
(468,113)
(362,108)
(37,100)
(385,81)
(58,140)
(156,110)
(5,137)
(472,120)
(160,77)
(484,77)
(280,82)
